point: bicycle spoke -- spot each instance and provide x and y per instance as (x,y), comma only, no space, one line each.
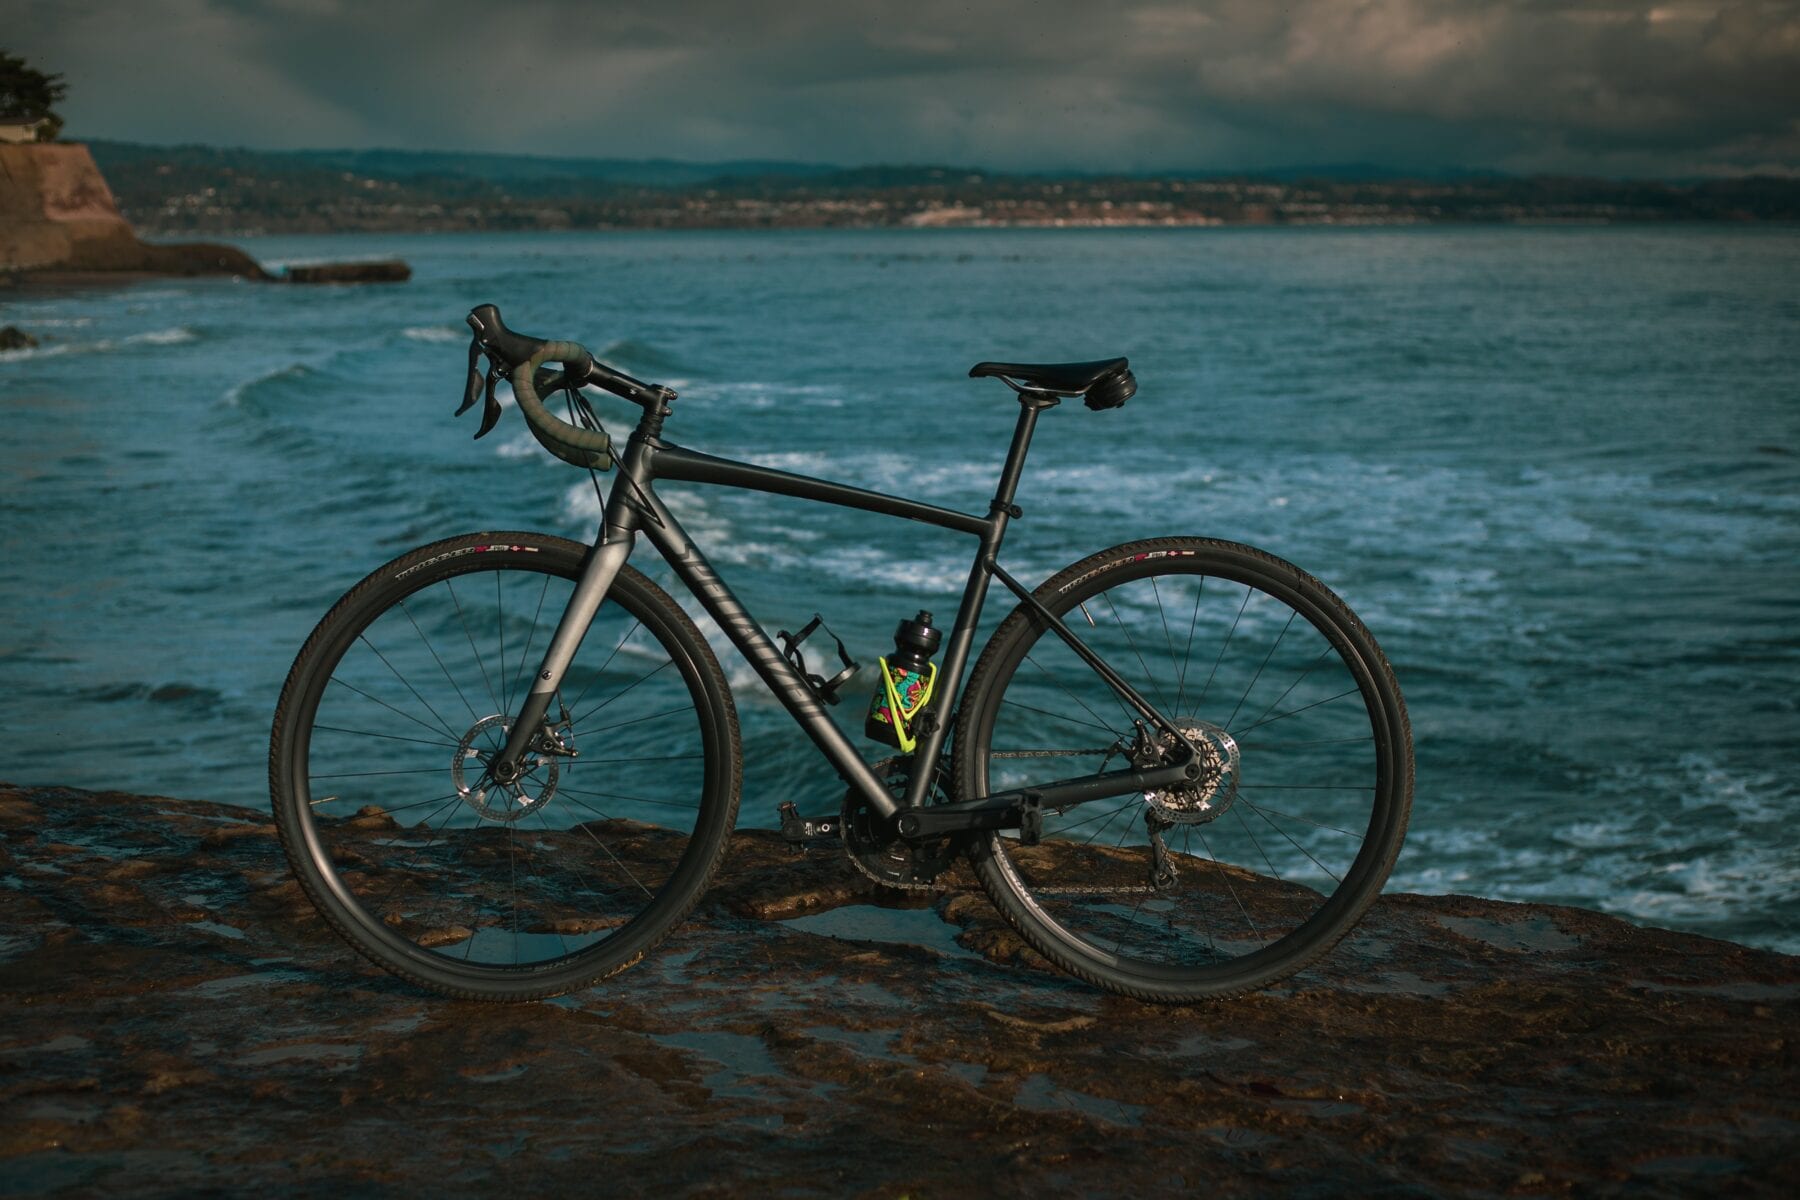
(629,798)
(431,650)
(389,707)
(1260,668)
(392,737)
(1057,716)
(600,671)
(530,634)
(1100,721)
(442,724)
(1263,854)
(668,712)
(1188,649)
(500,627)
(1231,633)
(590,712)
(1295,712)
(1218,866)
(463,619)
(1290,687)
(607,850)
(1148,678)
(1297,846)
(1264,808)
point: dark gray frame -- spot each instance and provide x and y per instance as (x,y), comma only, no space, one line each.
(633,507)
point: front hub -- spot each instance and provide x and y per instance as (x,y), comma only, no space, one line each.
(531,786)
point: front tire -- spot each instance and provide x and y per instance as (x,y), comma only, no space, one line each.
(1244,878)
(426,865)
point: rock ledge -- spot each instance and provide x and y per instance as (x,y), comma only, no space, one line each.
(179,1021)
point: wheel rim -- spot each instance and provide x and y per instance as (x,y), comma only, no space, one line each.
(429,855)
(1277,847)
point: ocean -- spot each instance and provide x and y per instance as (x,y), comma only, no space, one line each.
(1555,470)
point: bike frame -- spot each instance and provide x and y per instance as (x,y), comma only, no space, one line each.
(633,507)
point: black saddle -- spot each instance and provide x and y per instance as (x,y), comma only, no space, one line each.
(1104,383)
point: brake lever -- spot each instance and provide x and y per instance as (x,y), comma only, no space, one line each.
(490,412)
(472,388)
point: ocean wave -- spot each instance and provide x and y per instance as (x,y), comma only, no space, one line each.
(434,333)
(640,355)
(523,445)
(163,337)
(26,353)
(237,392)
(154,337)
(188,696)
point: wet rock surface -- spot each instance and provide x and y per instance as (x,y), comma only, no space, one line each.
(178,1020)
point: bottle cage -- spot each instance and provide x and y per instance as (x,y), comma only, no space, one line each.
(827,689)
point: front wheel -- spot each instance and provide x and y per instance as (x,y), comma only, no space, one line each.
(546,883)
(1265,861)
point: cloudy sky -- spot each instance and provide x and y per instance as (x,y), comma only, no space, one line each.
(1614,87)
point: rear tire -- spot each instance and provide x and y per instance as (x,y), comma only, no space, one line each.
(1275,853)
(377,770)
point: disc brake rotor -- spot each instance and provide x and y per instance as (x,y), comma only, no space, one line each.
(534,788)
(1206,798)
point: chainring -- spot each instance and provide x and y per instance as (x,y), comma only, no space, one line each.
(874,850)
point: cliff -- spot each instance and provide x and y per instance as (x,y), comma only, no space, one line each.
(179,1022)
(58,216)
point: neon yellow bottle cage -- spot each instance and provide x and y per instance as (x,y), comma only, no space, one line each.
(901,716)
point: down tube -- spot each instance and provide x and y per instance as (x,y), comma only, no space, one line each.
(667,535)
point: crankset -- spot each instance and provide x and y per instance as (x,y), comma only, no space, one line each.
(873,848)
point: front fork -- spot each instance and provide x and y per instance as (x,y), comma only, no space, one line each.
(597,577)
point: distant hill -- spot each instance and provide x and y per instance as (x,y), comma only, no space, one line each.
(221,190)
(420,164)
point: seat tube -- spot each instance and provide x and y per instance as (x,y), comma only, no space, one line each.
(968,615)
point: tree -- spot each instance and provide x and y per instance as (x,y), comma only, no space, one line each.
(26,93)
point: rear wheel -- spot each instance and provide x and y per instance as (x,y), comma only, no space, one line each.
(1270,857)
(549,883)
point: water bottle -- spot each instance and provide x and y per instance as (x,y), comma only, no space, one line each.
(907,679)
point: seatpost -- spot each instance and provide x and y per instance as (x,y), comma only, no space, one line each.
(1030,405)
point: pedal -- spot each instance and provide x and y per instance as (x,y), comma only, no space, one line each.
(803,833)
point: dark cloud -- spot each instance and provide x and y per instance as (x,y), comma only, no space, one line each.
(1620,87)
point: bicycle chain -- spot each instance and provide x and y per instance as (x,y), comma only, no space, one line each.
(1161,869)
(1160,860)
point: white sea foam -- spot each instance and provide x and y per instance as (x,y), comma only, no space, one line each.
(153,337)
(27,353)
(234,394)
(523,445)
(433,333)
(163,337)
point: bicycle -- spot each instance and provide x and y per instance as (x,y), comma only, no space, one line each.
(1189,830)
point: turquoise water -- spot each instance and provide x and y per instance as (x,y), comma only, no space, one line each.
(1557,471)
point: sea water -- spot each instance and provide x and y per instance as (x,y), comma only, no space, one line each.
(1556,470)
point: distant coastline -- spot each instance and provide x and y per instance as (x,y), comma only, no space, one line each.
(171,191)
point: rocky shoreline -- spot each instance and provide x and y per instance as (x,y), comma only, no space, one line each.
(60,225)
(177,1020)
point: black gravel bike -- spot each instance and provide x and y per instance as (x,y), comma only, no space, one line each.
(505,765)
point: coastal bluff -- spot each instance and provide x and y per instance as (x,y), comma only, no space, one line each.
(58,217)
(179,1022)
